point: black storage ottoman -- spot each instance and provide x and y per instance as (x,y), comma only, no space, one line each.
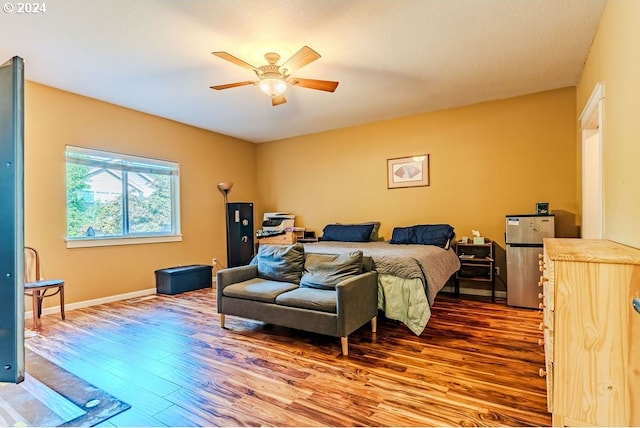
(179,279)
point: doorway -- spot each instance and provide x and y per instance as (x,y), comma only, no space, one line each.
(592,183)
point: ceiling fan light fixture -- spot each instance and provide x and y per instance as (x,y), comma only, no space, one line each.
(273,85)
(273,79)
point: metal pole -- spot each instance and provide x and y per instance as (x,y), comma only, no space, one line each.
(226,218)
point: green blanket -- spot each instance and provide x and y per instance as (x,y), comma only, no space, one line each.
(404,300)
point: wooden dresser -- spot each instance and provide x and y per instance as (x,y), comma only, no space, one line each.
(591,332)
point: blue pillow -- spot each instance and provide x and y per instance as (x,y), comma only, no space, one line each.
(374,232)
(347,232)
(434,234)
(403,235)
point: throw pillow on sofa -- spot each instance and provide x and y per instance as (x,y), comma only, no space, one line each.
(325,271)
(280,263)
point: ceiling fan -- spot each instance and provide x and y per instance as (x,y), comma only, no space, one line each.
(273,78)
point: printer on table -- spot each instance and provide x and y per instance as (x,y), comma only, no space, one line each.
(276,223)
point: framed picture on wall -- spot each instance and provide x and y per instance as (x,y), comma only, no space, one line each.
(542,208)
(412,171)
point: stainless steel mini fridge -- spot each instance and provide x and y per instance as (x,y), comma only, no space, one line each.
(523,238)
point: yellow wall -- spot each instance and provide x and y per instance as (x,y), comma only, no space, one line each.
(486,161)
(614,60)
(55,118)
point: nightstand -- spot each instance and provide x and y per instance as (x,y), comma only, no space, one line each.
(286,238)
(308,236)
(476,264)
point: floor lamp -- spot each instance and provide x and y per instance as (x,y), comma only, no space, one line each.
(225,188)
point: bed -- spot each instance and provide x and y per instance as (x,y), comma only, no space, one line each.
(409,275)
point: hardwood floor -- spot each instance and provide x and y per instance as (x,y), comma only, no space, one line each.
(475,364)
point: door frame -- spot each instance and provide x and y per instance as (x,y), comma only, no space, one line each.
(591,124)
(12,355)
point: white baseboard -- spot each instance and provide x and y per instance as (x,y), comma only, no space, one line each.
(474,291)
(93,302)
(149,291)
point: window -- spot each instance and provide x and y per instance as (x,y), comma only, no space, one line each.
(114,199)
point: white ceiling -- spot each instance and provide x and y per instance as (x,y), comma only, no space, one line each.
(392,57)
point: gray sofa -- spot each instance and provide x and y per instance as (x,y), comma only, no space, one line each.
(321,293)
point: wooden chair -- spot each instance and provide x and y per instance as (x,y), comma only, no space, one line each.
(37,287)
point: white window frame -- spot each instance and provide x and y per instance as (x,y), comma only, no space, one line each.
(129,163)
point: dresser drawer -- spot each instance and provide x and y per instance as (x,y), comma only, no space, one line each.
(549,369)
(548,337)
(548,283)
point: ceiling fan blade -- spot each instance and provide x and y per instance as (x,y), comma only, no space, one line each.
(301,58)
(232,85)
(321,85)
(235,60)
(277,100)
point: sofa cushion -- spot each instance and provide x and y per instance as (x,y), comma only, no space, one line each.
(262,290)
(325,271)
(280,263)
(347,232)
(309,298)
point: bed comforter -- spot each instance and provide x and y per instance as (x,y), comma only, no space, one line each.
(409,276)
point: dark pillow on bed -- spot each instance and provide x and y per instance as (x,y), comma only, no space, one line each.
(403,235)
(374,232)
(280,263)
(325,271)
(434,234)
(347,232)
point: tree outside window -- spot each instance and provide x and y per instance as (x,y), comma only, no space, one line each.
(112,195)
